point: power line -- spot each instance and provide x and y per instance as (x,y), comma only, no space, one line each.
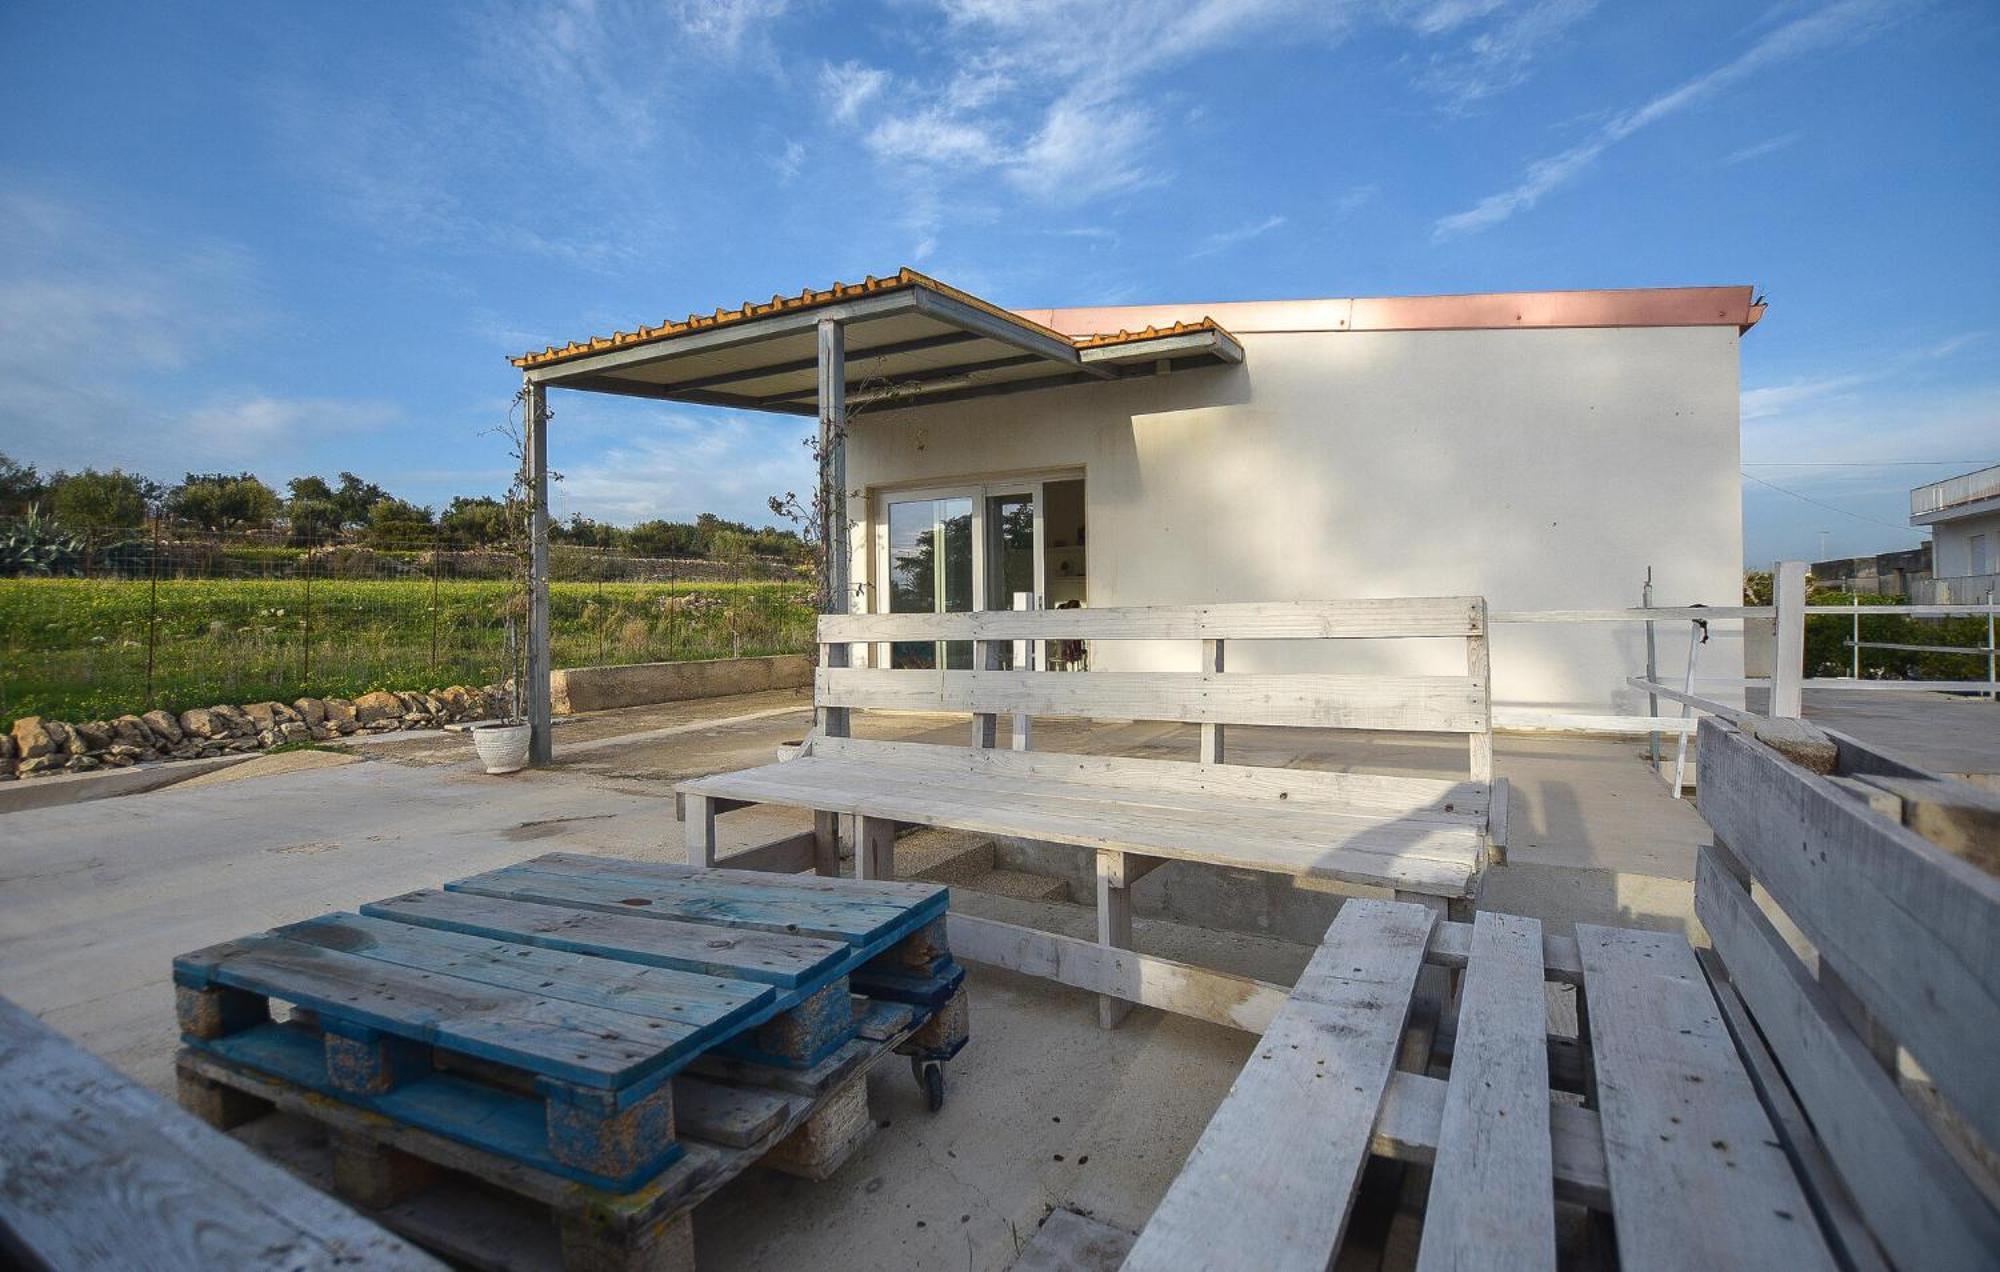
(1829,507)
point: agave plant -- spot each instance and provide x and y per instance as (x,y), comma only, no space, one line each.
(36,547)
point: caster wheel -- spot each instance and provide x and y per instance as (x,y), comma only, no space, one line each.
(930,1078)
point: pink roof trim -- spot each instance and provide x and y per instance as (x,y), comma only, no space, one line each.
(1636,307)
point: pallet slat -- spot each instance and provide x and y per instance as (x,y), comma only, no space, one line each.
(1270,1183)
(1492,1201)
(785,961)
(1698,1177)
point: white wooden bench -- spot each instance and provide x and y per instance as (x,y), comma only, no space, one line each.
(1426,839)
(1741,1107)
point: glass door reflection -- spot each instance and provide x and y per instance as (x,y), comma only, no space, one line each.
(930,571)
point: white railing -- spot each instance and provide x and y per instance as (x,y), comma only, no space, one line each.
(1953,491)
(1964,589)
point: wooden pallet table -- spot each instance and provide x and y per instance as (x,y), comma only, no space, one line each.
(1648,1119)
(613,1039)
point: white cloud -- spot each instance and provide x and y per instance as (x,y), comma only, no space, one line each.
(1836,24)
(851,86)
(1769,146)
(726,26)
(930,138)
(1226,239)
(789,160)
(1501,55)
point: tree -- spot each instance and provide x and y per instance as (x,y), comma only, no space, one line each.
(396,523)
(312,520)
(356,499)
(474,521)
(220,501)
(20,486)
(310,487)
(664,539)
(91,500)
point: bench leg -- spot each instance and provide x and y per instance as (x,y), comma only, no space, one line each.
(700,831)
(1114,926)
(875,849)
(826,844)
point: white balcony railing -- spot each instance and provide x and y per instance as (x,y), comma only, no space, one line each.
(1953,491)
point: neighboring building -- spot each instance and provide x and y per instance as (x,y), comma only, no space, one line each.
(1897,574)
(1963,513)
(1541,449)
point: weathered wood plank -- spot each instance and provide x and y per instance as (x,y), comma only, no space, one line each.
(755,907)
(768,958)
(1698,1177)
(871,891)
(1327,700)
(1451,946)
(1271,1181)
(96,1172)
(592,1046)
(1491,1201)
(1272,620)
(1357,793)
(1409,1126)
(1920,1205)
(694,1009)
(1418,856)
(1182,988)
(1912,929)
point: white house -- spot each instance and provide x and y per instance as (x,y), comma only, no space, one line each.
(1963,513)
(1542,449)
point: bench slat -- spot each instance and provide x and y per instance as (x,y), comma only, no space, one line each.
(901,894)
(1365,794)
(1272,1179)
(1919,1204)
(1699,1179)
(766,958)
(1418,856)
(1492,1200)
(1327,700)
(1913,930)
(1386,617)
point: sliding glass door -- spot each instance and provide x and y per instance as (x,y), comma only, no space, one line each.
(955,549)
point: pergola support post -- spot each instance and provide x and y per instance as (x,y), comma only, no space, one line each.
(536,444)
(833,460)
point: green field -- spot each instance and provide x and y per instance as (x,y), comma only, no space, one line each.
(76,649)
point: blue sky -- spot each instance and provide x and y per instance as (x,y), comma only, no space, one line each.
(303,237)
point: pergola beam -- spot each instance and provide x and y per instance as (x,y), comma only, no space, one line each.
(909,383)
(670,393)
(808,364)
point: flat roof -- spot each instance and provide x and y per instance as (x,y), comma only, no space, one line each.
(1732,306)
(910,341)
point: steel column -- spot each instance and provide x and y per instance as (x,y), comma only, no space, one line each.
(536,457)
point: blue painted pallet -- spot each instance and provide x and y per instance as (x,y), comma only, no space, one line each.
(593,980)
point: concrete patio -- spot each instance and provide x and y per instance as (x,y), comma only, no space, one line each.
(102,895)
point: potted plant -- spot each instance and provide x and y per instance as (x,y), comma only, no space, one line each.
(502,745)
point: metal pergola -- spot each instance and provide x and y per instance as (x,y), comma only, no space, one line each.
(898,342)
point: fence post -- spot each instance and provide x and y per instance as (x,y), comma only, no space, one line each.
(1992,654)
(437,556)
(1788,654)
(306,644)
(1652,671)
(1855,597)
(152,612)
(603,620)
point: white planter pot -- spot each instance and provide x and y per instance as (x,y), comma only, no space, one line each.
(503,748)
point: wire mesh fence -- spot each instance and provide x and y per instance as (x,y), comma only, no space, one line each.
(164,617)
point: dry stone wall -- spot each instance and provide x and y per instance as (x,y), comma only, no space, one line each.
(38,746)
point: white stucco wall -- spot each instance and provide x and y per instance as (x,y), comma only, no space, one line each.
(1543,469)
(1951,545)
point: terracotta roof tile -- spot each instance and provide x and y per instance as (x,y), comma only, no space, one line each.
(809,298)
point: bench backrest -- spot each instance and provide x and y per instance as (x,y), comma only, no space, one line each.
(1907,938)
(1207,695)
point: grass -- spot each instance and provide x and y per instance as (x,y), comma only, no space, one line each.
(76,649)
